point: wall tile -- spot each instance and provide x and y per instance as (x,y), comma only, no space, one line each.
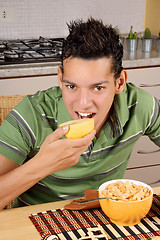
(34,18)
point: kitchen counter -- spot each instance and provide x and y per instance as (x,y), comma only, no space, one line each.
(130,60)
(28,69)
(141,59)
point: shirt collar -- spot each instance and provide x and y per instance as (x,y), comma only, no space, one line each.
(118,117)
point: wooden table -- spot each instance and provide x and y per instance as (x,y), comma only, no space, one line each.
(16,225)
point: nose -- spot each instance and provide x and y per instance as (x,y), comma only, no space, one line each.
(85,99)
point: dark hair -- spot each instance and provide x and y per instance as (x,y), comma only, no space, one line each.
(92,40)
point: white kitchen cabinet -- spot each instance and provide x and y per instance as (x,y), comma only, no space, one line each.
(144,164)
(146,78)
(26,85)
(149,175)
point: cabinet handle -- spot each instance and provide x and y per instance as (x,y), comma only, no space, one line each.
(150,85)
(157,181)
(145,152)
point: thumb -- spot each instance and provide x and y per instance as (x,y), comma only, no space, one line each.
(58,133)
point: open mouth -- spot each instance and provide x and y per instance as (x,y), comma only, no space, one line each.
(85,115)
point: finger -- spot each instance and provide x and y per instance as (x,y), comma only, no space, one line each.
(58,133)
(80,142)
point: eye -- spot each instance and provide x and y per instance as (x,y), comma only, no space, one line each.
(99,88)
(71,86)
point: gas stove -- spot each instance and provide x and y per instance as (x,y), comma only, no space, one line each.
(30,51)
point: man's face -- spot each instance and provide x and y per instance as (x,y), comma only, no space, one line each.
(88,88)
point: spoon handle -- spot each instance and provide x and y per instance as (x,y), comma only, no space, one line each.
(90,200)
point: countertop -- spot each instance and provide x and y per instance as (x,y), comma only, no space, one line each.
(15,223)
(28,69)
(130,60)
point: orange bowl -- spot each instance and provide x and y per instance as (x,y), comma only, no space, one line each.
(125,213)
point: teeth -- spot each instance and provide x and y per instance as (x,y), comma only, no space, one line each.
(84,114)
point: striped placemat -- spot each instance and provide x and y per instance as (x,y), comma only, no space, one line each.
(73,224)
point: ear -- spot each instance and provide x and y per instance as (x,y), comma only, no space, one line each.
(60,75)
(121,82)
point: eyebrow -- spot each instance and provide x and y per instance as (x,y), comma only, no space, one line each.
(95,84)
(67,81)
(100,83)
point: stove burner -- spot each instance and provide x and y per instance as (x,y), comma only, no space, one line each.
(2,46)
(9,54)
(58,43)
(45,43)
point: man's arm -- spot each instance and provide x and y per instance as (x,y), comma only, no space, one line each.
(55,155)
(6,165)
(11,180)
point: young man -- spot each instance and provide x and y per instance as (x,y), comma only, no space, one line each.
(37,163)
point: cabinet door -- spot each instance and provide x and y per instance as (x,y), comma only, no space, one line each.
(26,85)
(144,153)
(149,175)
(144,164)
(147,79)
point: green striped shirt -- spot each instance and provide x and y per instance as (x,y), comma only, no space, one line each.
(135,113)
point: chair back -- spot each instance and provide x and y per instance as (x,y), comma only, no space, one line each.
(7,103)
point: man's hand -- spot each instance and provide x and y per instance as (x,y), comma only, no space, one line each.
(57,154)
